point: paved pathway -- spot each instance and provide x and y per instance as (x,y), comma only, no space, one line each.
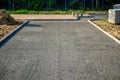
(43,16)
(57,50)
(46,16)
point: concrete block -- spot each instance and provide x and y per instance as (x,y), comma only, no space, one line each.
(114,16)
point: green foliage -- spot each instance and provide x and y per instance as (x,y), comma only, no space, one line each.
(37,4)
(56,4)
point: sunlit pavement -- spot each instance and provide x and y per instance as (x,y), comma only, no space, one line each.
(60,50)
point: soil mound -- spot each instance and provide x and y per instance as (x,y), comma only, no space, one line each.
(5,18)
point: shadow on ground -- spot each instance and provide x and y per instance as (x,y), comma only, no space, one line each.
(33,25)
(3,42)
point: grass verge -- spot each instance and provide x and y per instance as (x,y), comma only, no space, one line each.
(54,11)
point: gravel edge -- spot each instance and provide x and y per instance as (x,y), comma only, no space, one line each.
(112,37)
(12,32)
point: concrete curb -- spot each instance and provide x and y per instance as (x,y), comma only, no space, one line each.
(12,32)
(51,19)
(74,19)
(115,39)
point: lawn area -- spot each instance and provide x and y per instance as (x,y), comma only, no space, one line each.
(109,27)
(55,11)
(43,11)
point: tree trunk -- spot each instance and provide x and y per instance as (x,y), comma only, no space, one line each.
(92,4)
(102,4)
(97,3)
(84,3)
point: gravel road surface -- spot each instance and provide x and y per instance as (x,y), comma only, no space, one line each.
(60,50)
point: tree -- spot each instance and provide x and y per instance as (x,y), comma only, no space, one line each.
(56,4)
(75,4)
(51,2)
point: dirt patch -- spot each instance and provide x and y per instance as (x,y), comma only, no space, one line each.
(6,18)
(7,23)
(7,28)
(108,27)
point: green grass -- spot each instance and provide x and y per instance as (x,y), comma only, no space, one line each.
(22,12)
(51,11)
(43,11)
(103,21)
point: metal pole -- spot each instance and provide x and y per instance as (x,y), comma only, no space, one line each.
(13,5)
(92,3)
(102,4)
(47,5)
(65,5)
(84,3)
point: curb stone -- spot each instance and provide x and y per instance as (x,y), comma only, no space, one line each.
(112,37)
(11,33)
(51,19)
